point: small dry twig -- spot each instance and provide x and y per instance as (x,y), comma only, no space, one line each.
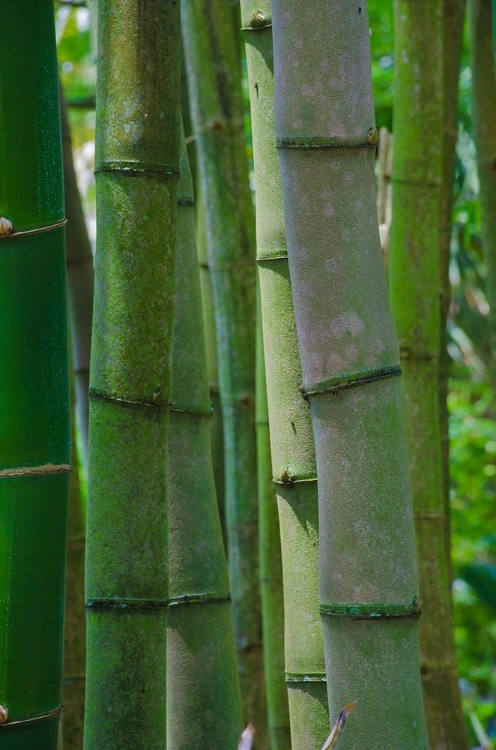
(246,741)
(333,738)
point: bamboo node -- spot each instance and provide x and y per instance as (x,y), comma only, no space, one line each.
(257,20)
(6,227)
(373,136)
(4,714)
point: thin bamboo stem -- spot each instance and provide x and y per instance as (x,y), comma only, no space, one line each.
(137,167)
(368,586)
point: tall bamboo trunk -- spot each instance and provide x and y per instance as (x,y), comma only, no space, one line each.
(203,695)
(80,281)
(75,617)
(212,59)
(271,586)
(415,285)
(34,384)
(453,16)
(484,114)
(368,585)
(137,165)
(293,452)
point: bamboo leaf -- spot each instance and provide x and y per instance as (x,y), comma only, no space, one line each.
(333,738)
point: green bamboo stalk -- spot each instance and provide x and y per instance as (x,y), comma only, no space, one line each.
(415,264)
(271,585)
(368,585)
(453,16)
(293,452)
(203,694)
(34,381)
(484,116)
(137,165)
(80,280)
(212,61)
(73,684)
(216,427)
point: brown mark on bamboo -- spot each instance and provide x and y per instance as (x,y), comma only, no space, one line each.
(4,714)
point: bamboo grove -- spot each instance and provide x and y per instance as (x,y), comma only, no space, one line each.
(224,429)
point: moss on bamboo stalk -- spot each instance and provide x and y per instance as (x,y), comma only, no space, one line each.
(137,166)
(326,136)
(415,267)
(34,383)
(212,60)
(203,694)
(293,452)
(484,113)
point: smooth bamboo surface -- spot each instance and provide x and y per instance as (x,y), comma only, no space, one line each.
(326,136)
(203,693)
(292,444)
(34,381)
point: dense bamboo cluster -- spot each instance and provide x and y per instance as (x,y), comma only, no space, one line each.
(260,531)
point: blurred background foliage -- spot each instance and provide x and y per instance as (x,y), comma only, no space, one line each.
(471,400)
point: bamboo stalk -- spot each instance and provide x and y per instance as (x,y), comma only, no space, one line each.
(212,61)
(34,381)
(368,585)
(271,585)
(415,267)
(484,114)
(137,166)
(80,280)
(203,694)
(293,452)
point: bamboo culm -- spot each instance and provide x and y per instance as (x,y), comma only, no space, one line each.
(367,570)
(203,693)
(415,283)
(212,62)
(293,453)
(271,586)
(137,168)
(35,442)
(484,114)
(80,281)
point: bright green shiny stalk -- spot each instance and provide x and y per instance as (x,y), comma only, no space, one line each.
(75,617)
(137,164)
(484,113)
(34,380)
(271,587)
(216,426)
(415,263)
(80,281)
(368,585)
(203,695)
(293,452)
(212,60)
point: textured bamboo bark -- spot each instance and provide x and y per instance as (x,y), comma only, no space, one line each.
(137,165)
(73,684)
(80,281)
(216,427)
(271,586)
(415,267)
(203,694)
(454,11)
(212,60)
(349,353)
(34,380)
(293,452)
(484,114)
